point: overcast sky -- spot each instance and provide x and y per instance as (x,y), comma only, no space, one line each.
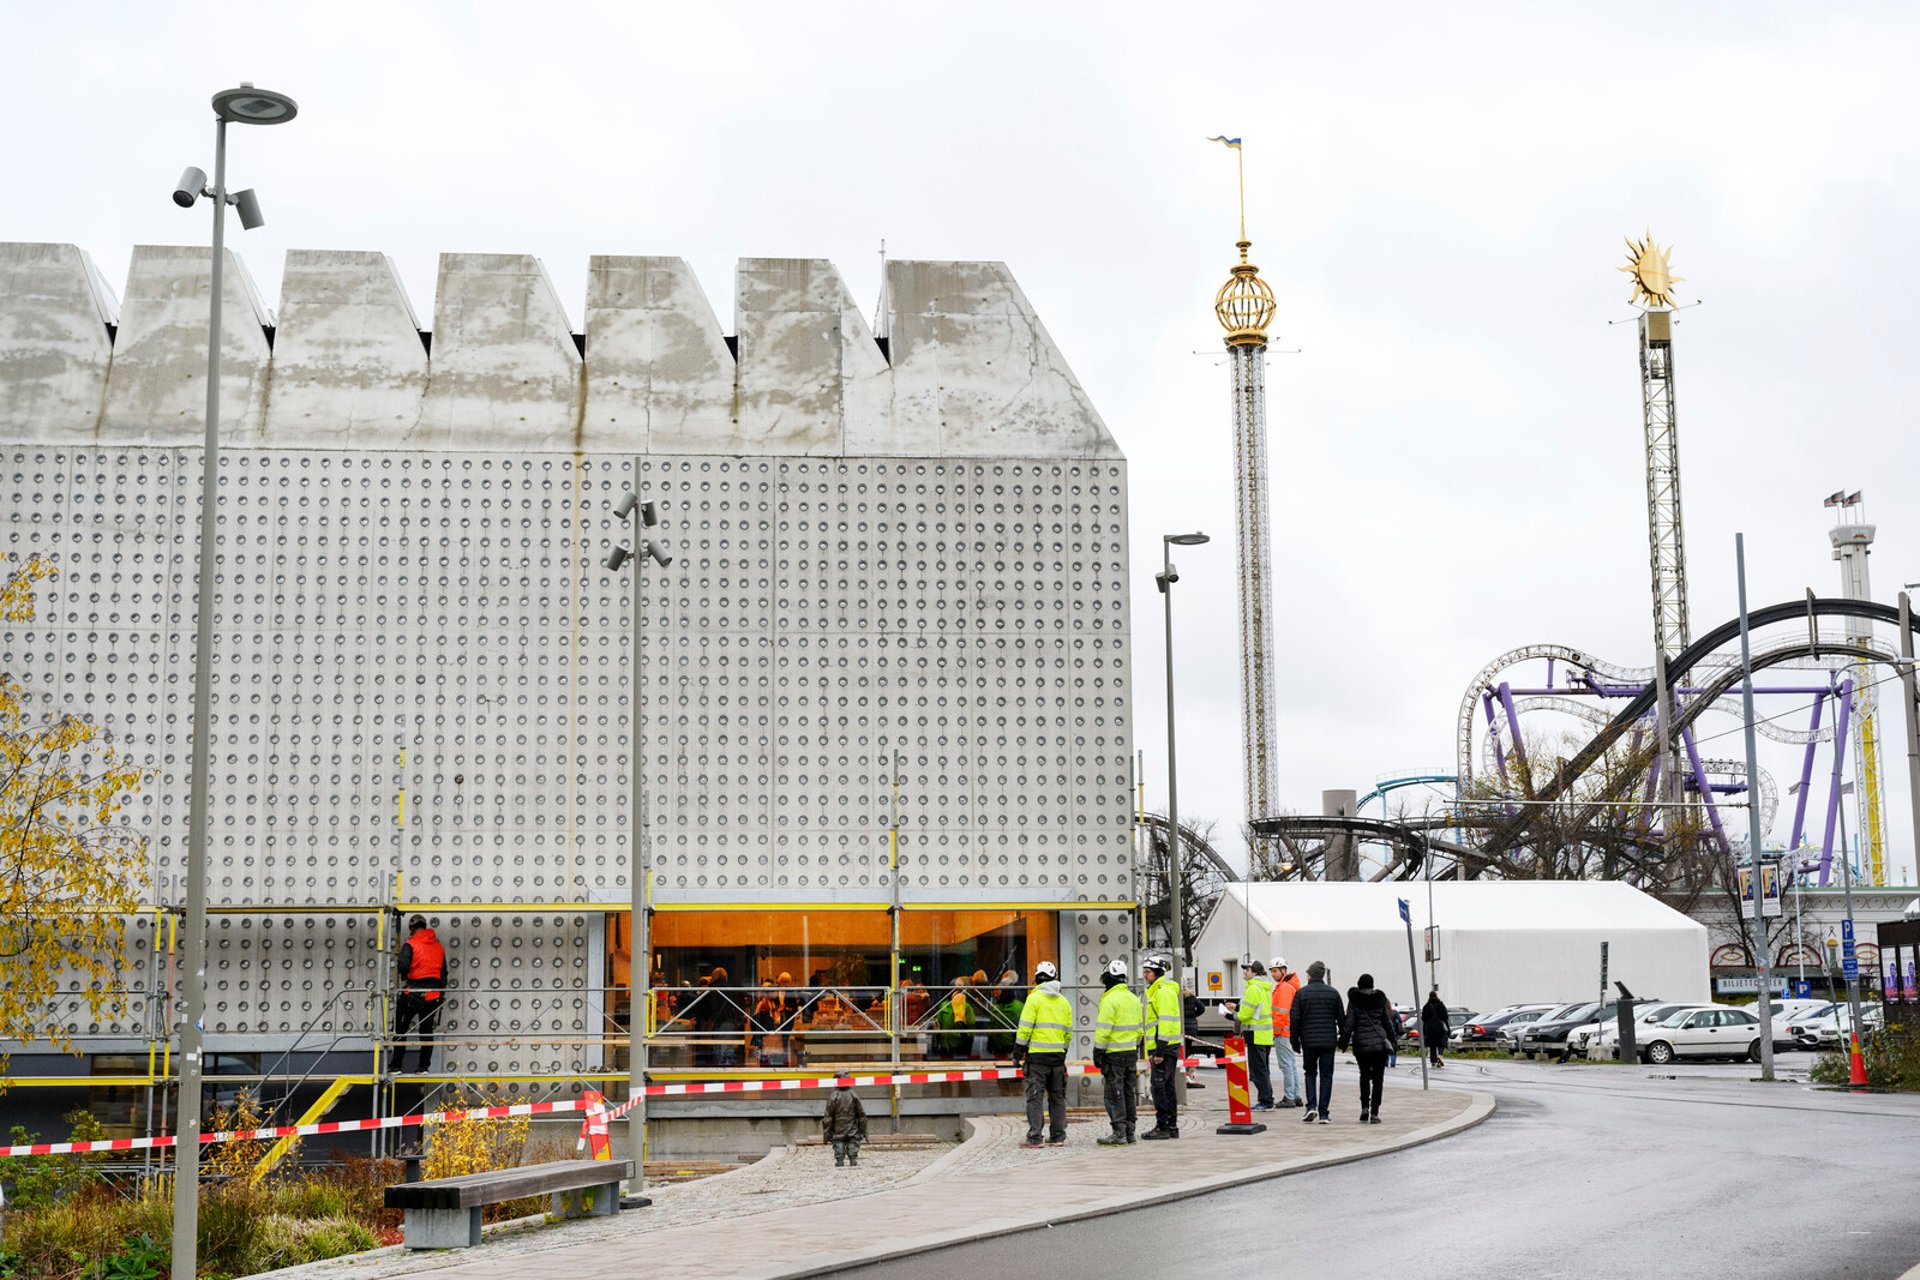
(1437,195)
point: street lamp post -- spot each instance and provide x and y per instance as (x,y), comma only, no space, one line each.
(1175,929)
(244,105)
(642,516)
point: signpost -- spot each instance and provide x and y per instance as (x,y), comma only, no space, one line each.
(1413,975)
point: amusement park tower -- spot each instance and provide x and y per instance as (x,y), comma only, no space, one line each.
(1245,308)
(1852,544)
(1653,282)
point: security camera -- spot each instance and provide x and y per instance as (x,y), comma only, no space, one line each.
(1165,580)
(248,206)
(192,185)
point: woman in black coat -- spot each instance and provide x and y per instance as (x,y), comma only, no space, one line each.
(1435,1026)
(1371,1027)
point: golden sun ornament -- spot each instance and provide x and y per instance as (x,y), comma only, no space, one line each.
(1652,273)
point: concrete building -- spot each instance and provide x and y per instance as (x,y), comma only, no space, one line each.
(424,675)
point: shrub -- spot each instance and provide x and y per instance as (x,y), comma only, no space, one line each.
(35,1181)
(1892,1061)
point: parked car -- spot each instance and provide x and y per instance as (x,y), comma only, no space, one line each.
(1485,1028)
(1549,1034)
(1703,1033)
(1829,1029)
(1604,1042)
(1410,1021)
(1513,1033)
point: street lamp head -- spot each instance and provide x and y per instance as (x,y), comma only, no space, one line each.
(658,550)
(248,105)
(1187,539)
(625,506)
(617,557)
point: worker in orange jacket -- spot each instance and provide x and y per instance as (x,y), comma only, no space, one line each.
(1285,984)
(423,987)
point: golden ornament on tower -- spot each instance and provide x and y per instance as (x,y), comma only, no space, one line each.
(1652,273)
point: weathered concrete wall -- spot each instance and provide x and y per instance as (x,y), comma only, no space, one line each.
(54,344)
(973,372)
(349,366)
(157,383)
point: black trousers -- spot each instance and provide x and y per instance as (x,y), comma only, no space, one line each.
(414,1012)
(1165,1065)
(1260,1071)
(1373,1076)
(1046,1095)
(1121,1090)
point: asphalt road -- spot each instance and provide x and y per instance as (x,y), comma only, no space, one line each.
(1581,1170)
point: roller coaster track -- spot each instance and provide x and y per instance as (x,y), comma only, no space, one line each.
(1508,831)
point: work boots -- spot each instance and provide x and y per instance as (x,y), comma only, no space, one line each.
(1118,1138)
(1130,1138)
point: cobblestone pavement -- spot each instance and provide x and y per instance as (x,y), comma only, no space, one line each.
(809,1218)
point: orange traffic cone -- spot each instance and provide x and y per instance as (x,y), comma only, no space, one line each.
(1856,1065)
(1239,1103)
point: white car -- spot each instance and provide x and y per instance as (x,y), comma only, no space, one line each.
(1604,1041)
(1830,1029)
(1520,1024)
(1702,1033)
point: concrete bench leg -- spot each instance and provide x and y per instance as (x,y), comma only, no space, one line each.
(442,1228)
(574,1204)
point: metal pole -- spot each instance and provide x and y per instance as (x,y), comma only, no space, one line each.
(639,936)
(1753,819)
(1175,907)
(1853,982)
(1913,720)
(186,1176)
(898,1005)
(1413,976)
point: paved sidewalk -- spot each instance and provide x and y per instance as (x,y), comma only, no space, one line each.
(987,1186)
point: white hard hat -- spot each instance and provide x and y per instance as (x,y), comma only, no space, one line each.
(1046,970)
(1118,969)
(1156,962)
(1278,962)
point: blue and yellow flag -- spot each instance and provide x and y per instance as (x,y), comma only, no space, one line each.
(1232,142)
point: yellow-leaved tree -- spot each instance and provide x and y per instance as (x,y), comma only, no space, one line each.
(72,868)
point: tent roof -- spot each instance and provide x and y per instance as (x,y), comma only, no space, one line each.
(1531,905)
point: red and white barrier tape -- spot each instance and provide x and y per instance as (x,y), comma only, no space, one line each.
(680,1089)
(299,1130)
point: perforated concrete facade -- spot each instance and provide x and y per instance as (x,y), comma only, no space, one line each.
(919,548)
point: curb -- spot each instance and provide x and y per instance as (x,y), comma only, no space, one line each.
(1479,1107)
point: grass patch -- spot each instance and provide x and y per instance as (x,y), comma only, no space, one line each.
(1892,1060)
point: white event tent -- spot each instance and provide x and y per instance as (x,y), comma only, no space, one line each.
(1500,941)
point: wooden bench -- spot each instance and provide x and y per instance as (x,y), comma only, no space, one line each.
(444,1213)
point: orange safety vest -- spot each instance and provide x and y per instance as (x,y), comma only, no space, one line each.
(428,967)
(1283,993)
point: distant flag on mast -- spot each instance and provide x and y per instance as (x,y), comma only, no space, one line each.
(1835,498)
(1232,142)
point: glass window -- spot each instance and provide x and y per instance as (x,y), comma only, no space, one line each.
(810,987)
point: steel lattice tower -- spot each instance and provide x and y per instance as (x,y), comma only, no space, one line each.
(1245,308)
(1666,534)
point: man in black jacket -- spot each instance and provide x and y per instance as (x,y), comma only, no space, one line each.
(1318,1016)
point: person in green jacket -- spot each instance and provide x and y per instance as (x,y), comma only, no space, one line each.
(1040,1047)
(1255,1016)
(1116,1051)
(1166,1035)
(1008,999)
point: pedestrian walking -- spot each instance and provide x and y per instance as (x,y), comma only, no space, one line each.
(1040,1047)
(1285,984)
(1318,1016)
(1116,1052)
(423,989)
(1370,1029)
(1255,1015)
(1164,1028)
(1435,1027)
(844,1125)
